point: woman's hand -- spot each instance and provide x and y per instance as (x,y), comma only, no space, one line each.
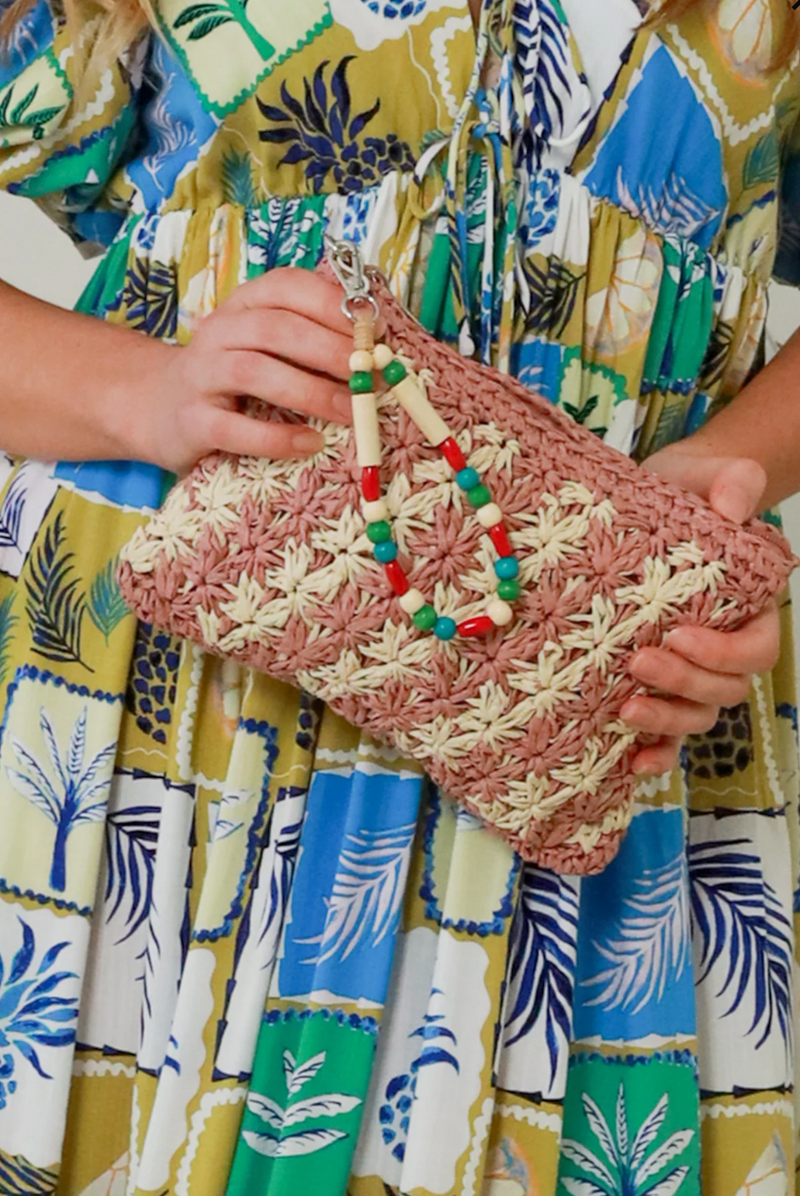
(699,670)
(282,339)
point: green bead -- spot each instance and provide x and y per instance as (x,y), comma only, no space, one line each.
(361,382)
(509,590)
(394,372)
(425,618)
(379,531)
(478,496)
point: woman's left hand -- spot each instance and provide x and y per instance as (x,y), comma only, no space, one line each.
(699,670)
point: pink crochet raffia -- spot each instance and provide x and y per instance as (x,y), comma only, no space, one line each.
(268,562)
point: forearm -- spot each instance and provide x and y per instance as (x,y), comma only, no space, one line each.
(72,387)
(763,424)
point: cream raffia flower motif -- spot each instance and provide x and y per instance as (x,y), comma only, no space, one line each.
(620,315)
(663,591)
(220,495)
(489,718)
(173,530)
(247,610)
(491,449)
(266,479)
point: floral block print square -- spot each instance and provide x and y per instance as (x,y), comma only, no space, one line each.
(41,970)
(228,47)
(740,876)
(305,1103)
(29,491)
(630,1125)
(57,749)
(635,975)
(522,1155)
(748,1145)
(34,103)
(350,883)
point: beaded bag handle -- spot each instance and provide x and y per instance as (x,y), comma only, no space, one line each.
(361,307)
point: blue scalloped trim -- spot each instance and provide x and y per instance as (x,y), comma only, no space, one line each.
(352,1020)
(271,750)
(676,1058)
(69,907)
(428,893)
(29,672)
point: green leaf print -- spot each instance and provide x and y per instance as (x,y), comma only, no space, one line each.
(55,606)
(275,1141)
(209,15)
(237,180)
(20,115)
(107,607)
(7,623)
(762,161)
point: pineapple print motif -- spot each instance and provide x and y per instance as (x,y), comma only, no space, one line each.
(726,749)
(151,688)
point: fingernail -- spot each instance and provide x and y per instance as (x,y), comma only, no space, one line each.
(733,504)
(307,441)
(343,406)
(628,711)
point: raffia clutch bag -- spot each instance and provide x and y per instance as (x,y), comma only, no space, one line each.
(465,577)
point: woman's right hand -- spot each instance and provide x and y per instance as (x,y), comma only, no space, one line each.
(282,339)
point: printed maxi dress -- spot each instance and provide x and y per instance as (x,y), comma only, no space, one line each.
(243,949)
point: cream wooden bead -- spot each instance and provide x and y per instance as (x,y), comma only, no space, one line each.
(412,601)
(489,515)
(382,355)
(373,512)
(365,427)
(361,362)
(421,411)
(499,612)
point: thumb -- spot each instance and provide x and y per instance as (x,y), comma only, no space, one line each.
(734,486)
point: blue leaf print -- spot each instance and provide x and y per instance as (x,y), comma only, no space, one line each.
(320,132)
(18,1177)
(649,946)
(131,839)
(32,1011)
(542,952)
(55,606)
(12,510)
(77,795)
(738,919)
(368,891)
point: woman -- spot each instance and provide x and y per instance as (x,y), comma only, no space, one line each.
(242,949)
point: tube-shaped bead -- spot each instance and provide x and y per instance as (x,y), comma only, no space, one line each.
(397,578)
(367,432)
(453,454)
(421,411)
(479,625)
(371,483)
(500,540)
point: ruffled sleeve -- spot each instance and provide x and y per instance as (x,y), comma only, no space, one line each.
(63,151)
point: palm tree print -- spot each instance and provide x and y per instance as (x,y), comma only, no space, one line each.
(282,1138)
(203,18)
(33,1010)
(23,112)
(74,796)
(321,132)
(627,1164)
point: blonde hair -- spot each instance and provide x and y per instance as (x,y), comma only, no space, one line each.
(122,21)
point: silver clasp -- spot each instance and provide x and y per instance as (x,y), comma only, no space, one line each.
(348,266)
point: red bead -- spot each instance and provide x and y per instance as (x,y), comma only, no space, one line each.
(477,626)
(397,578)
(371,483)
(453,453)
(501,540)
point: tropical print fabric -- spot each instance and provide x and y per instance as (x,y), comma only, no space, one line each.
(243,949)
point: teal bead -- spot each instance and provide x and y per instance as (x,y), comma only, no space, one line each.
(361,382)
(467,478)
(478,496)
(379,531)
(506,567)
(385,551)
(444,628)
(394,372)
(425,618)
(509,590)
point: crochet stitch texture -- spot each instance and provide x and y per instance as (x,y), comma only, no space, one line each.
(268,562)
